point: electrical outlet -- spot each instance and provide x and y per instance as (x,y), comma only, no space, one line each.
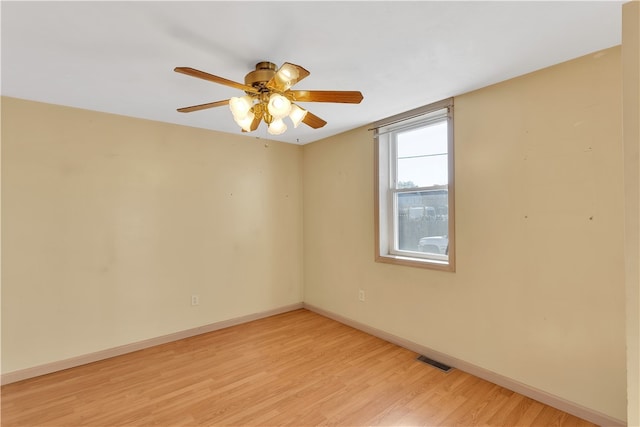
(195,300)
(361,295)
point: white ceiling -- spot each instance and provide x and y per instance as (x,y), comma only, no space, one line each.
(118,57)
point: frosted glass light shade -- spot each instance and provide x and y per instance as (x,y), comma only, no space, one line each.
(240,106)
(287,75)
(279,106)
(297,115)
(277,127)
(246,121)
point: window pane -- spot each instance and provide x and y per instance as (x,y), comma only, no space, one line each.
(422,156)
(423,221)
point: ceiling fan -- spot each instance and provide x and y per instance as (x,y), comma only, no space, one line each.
(269,97)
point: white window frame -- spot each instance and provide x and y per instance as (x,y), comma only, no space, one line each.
(386,191)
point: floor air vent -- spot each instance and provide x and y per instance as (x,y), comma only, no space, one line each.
(435,364)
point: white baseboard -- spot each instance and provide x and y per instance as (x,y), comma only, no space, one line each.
(23,374)
(508,383)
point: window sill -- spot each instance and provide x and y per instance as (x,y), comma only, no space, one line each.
(417,262)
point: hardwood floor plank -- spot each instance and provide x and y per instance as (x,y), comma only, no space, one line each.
(296,368)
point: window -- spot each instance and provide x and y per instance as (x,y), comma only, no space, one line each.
(414,188)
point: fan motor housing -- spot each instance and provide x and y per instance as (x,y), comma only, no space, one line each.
(261,75)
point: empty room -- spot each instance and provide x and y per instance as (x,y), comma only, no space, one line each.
(320,213)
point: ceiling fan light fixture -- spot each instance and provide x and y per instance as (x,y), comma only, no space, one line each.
(277,127)
(246,121)
(286,75)
(240,106)
(267,97)
(297,115)
(279,106)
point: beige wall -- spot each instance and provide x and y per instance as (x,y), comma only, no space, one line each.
(631,131)
(110,224)
(539,292)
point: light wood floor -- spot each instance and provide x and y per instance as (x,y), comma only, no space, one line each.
(296,368)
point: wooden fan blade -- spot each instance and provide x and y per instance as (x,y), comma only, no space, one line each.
(210,77)
(343,96)
(203,106)
(313,121)
(287,76)
(255,123)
